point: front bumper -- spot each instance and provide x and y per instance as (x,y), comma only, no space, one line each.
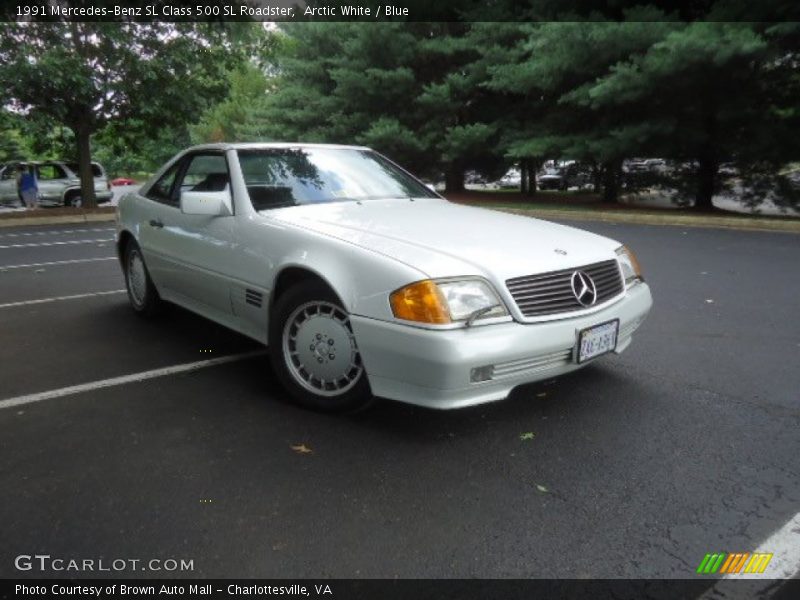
(103,196)
(434,368)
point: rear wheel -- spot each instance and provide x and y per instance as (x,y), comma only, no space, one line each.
(314,352)
(72,199)
(142,293)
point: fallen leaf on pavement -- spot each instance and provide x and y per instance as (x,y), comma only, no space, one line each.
(528,435)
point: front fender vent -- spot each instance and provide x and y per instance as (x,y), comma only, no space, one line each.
(253,298)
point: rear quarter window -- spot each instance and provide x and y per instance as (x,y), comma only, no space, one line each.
(97,170)
(50,172)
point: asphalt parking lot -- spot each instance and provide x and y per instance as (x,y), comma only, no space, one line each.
(636,466)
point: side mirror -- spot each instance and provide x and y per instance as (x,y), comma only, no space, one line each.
(214,204)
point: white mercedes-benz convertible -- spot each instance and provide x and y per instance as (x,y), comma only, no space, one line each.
(362,281)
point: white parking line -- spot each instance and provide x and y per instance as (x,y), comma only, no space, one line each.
(53,232)
(55,263)
(784,545)
(58,298)
(66,243)
(133,378)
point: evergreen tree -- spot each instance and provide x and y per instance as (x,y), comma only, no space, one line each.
(401,88)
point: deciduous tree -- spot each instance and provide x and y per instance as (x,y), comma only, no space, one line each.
(86,75)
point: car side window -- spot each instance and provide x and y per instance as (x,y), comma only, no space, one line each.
(50,172)
(206,173)
(161,190)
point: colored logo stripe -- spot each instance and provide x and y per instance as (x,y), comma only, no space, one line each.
(758,563)
(737,562)
(711,562)
(727,564)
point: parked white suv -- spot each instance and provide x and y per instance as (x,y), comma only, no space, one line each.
(59,183)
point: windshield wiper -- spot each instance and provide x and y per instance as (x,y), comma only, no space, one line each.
(479,313)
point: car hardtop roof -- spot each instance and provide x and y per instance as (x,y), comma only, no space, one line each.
(54,161)
(268,145)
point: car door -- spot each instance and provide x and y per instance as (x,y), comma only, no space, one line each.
(8,185)
(200,246)
(52,180)
(159,205)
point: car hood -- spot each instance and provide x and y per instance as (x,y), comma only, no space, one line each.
(443,239)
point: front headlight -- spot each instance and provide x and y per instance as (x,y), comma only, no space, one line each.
(446,301)
(630,266)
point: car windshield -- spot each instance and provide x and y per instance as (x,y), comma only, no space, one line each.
(279,177)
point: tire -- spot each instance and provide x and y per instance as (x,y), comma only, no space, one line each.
(72,199)
(314,352)
(142,294)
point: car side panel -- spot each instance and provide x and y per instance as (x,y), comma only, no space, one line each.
(51,191)
(136,214)
(264,248)
(8,190)
(261,248)
(200,248)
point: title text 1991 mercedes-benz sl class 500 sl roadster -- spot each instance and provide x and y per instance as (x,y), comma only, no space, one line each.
(363,281)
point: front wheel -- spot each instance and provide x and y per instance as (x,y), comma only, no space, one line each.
(314,352)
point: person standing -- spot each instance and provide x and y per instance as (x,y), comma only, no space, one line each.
(29,188)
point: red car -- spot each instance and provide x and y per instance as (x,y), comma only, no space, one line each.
(122,181)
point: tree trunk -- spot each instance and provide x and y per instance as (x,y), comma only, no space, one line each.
(524,182)
(611,172)
(528,168)
(531,167)
(454,180)
(707,172)
(83,138)
(597,180)
(707,162)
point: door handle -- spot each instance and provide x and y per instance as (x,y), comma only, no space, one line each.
(156,223)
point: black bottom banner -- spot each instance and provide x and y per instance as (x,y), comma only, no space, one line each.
(412,589)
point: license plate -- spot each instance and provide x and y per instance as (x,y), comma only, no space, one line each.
(597,340)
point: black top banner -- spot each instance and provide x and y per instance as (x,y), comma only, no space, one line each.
(397,10)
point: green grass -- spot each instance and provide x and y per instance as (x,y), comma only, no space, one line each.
(602,209)
(540,206)
(575,202)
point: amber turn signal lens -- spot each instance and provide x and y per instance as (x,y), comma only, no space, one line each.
(637,268)
(422,302)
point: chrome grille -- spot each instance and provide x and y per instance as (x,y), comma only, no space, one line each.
(551,293)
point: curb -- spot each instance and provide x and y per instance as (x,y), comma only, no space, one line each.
(738,223)
(58,219)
